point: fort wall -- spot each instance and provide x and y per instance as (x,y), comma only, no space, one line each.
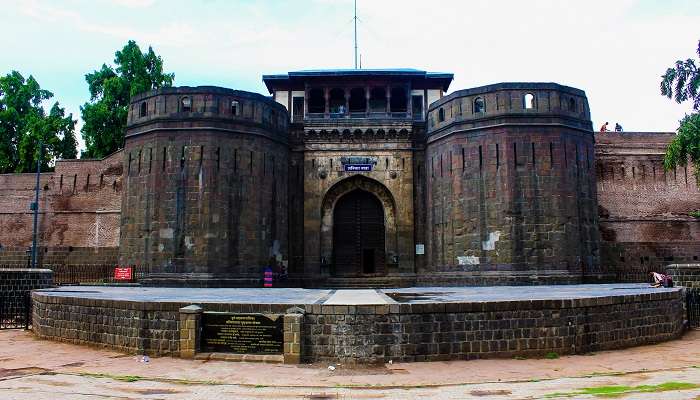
(79,210)
(511,185)
(512,192)
(644,209)
(205,183)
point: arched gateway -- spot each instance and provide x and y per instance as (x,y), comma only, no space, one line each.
(358,227)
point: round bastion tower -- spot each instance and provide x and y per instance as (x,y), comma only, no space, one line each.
(511,186)
(205,186)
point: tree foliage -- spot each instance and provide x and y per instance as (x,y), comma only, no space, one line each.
(685,145)
(682,83)
(110,92)
(24,123)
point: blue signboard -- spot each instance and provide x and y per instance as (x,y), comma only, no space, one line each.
(357,167)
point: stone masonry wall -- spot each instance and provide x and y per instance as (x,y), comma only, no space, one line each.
(511,190)
(22,280)
(448,331)
(686,275)
(123,326)
(379,333)
(128,326)
(205,187)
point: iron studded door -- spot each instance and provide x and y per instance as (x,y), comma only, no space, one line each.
(358,235)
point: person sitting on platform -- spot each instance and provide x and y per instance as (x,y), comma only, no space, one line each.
(661,280)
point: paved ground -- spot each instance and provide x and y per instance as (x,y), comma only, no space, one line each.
(354,296)
(35,369)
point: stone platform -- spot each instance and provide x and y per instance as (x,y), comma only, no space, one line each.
(375,325)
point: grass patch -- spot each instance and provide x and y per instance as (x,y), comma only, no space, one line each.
(520,358)
(123,378)
(619,390)
(551,355)
(136,378)
(695,214)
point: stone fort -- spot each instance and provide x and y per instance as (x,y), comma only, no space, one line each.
(352,178)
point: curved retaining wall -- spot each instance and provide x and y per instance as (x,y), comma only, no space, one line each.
(378,333)
(687,275)
(511,190)
(205,185)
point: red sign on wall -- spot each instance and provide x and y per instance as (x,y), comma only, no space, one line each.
(122,274)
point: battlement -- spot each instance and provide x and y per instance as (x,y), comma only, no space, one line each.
(509,103)
(210,106)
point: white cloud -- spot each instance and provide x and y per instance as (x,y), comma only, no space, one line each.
(614,50)
(133,3)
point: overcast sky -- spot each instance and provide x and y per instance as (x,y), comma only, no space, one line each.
(615,50)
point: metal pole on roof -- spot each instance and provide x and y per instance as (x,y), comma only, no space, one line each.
(355,18)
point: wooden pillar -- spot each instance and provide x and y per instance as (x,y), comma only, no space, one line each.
(367,94)
(388,99)
(326,97)
(347,102)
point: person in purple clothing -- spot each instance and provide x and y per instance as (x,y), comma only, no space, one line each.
(661,280)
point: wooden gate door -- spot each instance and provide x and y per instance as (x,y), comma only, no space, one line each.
(358,235)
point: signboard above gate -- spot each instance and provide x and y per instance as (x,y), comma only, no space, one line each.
(358,163)
(357,167)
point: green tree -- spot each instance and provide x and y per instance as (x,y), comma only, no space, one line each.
(110,92)
(682,83)
(24,123)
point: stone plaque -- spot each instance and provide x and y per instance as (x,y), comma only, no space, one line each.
(242,333)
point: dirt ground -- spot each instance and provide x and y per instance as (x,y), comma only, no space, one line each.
(37,369)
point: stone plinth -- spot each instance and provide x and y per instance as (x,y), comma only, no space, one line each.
(361,326)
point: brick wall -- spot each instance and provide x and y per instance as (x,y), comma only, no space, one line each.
(79,207)
(644,209)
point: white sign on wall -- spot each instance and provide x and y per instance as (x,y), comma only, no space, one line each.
(420,248)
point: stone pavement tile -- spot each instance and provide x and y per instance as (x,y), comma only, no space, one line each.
(350,296)
(22,350)
(356,297)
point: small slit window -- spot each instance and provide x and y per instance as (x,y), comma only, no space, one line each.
(186,103)
(572,105)
(234,107)
(143,109)
(479,105)
(441,115)
(528,101)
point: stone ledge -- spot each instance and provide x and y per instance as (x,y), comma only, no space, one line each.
(264,358)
